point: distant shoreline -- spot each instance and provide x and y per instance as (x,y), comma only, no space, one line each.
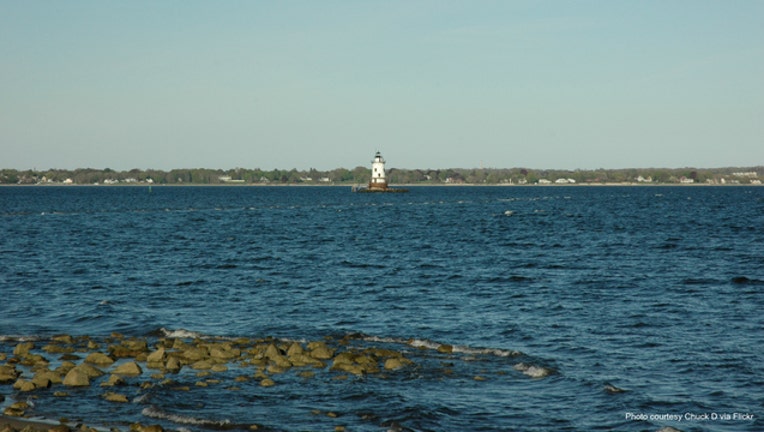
(404,177)
(407,185)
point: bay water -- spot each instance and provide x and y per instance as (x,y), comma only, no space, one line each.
(563,308)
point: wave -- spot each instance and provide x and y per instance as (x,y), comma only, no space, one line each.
(181,334)
(19,338)
(437,346)
(156,413)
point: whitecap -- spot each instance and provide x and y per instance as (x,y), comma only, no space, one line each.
(379,339)
(181,333)
(156,413)
(424,343)
(428,344)
(533,371)
(486,351)
(16,338)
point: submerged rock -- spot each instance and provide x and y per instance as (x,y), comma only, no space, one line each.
(115,397)
(397,363)
(613,389)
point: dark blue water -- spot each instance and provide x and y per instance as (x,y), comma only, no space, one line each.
(657,291)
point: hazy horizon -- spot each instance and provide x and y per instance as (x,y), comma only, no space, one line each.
(298,84)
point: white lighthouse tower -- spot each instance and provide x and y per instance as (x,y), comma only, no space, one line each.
(378,179)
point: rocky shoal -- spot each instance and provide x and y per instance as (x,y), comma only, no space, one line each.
(65,362)
(81,361)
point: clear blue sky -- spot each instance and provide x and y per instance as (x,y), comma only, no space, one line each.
(559,84)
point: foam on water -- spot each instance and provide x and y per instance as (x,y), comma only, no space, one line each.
(156,413)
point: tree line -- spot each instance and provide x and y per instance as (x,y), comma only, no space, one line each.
(360,175)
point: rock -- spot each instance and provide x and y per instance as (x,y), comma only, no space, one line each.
(23,385)
(157,356)
(64,367)
(396,363)
(90,371)
(69,357)
(613,389)
(57,349)
(201,365)
(99,359)
(136,345)
(53,376)
(114,380)
(272,352)
(224,352)
(294,350)
(16,410)
(129,369)
(445,348)
(137,427)
(194,354)
(267,382)
(302,359)
(173,364)
(129,348)
(277,359)
(352,368)
(76,378)
(43,379)
(22,349)
(319,350)
(219,368)
(8,373)
(65,339)
(115,397)
(33,360)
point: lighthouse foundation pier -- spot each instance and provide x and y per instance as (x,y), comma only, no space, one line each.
(360,189)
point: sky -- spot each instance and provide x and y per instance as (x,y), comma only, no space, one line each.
(545,84)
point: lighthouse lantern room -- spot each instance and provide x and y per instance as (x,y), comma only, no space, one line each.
(378,179)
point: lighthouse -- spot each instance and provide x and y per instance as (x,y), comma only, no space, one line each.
(378,179)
